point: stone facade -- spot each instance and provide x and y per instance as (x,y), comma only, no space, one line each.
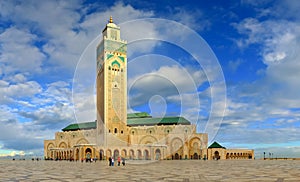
(215,152)
(114,133)
(144,142)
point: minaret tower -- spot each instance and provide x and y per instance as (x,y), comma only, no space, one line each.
(111,85)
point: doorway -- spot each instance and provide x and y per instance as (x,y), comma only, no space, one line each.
(88,154)
(195,156)
(176,156)
(157,154)
(101,155)
(216,155)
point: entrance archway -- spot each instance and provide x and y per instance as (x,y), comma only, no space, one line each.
(216,155)
(77,154)
(157,154)
(176,156)
(124,153)
(88,154)
(116,154)
(131,154)
(108,153)
(195,156)
(139,154)
(146,154)
(101,155)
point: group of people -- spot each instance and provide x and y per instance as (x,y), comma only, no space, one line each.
(112,161)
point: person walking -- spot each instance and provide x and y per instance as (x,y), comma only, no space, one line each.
(109,159)
(112,161)
(123,161)
(119,161)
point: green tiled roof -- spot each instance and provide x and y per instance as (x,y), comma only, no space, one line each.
(138,115)
(216,145)
(157,121)
(80,126)
(133,119)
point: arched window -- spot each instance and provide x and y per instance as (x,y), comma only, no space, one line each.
(116,130)
(109,68)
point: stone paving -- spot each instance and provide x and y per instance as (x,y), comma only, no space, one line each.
(184,171)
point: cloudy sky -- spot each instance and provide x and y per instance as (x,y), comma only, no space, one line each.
(231,67)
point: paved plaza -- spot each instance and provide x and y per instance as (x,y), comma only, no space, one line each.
(189,170)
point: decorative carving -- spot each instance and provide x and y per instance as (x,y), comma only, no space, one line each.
(115,46)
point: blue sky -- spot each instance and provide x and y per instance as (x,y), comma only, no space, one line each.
(45,45)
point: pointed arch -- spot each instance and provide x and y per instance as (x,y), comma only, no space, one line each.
(176,144)
(82,141)
(148,140)
(50,145)
(115,62)
(62,145)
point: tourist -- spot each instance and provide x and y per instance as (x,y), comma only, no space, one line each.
(112,161)
(123,161)
(109,159)
(119,161)
(88,157)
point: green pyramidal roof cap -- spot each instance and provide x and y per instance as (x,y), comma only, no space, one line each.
(216,145)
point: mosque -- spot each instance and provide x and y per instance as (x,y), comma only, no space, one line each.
(131,136)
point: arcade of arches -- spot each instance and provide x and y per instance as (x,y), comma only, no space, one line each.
(215,151)
(57,149)
(174,147)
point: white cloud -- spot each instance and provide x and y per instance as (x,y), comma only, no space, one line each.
(18,53)
(274,57)
(166,81)
(279,40)
(6,115)
(3,83)
(85,107)
(233,65)
(14,153)
(121,13)
(18,78)
(191,18)
(11,92)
